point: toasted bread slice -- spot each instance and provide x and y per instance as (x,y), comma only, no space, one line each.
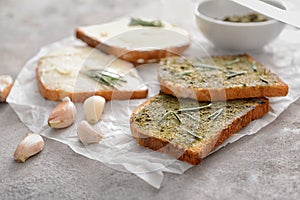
(196,128)
(6,83)
(81,72)
(136,44)
(219,78)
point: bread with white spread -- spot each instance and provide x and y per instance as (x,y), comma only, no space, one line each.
(135,43)
(81,72)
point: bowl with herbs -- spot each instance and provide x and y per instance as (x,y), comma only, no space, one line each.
(231,26)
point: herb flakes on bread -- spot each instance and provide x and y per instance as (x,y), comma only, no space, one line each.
(81,72)
(219,78)
(189,130)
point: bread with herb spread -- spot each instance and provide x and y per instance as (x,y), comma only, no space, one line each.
(218,78)
(189,130)
(81,72)
(136,40)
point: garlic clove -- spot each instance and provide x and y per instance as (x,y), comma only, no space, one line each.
(31,144)
(93,108)
(6,83)
(87,134)
(63,115)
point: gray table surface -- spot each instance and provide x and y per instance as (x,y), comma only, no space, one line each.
(263,166)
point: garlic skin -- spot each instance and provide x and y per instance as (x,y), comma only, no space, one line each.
(31,144)
(63,115)
(87,134)
(93,108)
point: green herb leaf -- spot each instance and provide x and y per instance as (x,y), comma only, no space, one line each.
(237,60)
(205,66)
(199,59)
(140,22)
(192,133)
(194,108)
(232,74)
(183,73)
(263,80)
(177,117)
(104,77)
(254,67)
(216,114)
(164,117)
(190,116)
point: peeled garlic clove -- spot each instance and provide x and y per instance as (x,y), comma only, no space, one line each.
(63,115)
(93,108)
(87,134)
(6,83)
(32,144)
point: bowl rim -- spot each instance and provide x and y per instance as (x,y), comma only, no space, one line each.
(197,13)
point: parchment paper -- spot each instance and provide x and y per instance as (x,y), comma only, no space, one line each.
(118,149)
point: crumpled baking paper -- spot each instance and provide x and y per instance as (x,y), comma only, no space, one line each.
(118,149)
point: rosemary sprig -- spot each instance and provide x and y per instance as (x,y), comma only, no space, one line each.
(190,116)
(194,108)
(237,60)
(232,74)
(168,113)
(199,59)
(254,67)
(216,114)
(177,117)
(164,117)
(205,66)
(183,73)
(263,79)
(104,77)
(141,22)
(110,74)
(175,112)
(192,133)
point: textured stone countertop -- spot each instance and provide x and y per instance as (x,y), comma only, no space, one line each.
(263,166)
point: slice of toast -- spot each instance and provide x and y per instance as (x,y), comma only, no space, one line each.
(6,83)
(137,44)
(218,78)
(81,72)
(189,130)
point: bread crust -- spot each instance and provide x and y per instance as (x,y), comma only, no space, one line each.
(218,94)
(195,155)
(230,93)
(133,56)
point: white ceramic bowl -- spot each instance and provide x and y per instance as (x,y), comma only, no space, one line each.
(232,35)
